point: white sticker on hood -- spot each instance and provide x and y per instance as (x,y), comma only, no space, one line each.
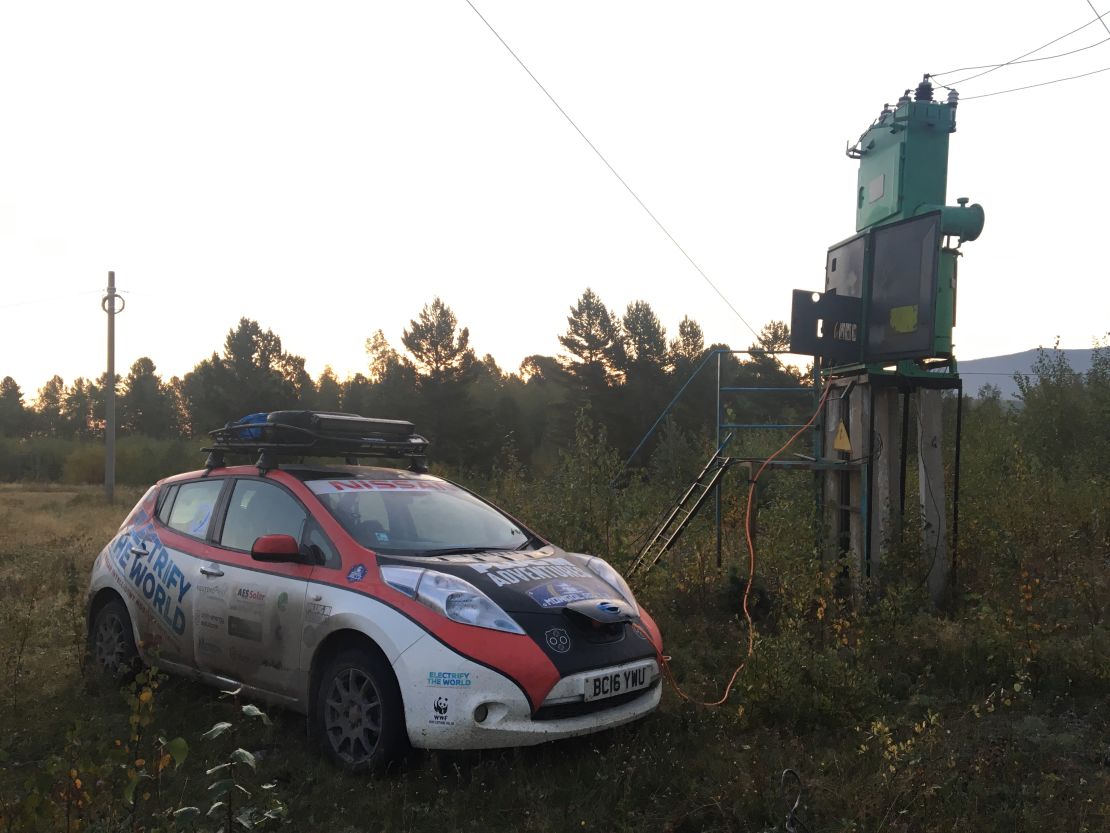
(544,569)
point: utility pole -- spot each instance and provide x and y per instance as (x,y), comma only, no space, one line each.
(108,304)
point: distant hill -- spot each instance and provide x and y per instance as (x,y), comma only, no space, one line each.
(999,370)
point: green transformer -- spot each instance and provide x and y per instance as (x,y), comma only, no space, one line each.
(903,173)
(890,291)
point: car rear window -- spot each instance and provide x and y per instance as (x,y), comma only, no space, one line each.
(165,502)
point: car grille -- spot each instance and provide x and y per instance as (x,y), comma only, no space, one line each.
(559,711)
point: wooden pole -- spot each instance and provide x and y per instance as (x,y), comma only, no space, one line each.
(930,468)
(885,457)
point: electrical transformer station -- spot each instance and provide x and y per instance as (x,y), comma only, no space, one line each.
(881,337)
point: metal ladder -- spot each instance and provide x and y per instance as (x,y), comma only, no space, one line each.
(667,533)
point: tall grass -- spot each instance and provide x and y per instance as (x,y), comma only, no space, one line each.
(989,717)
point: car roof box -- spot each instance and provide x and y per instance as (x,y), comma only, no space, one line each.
(316,434)
(337,423)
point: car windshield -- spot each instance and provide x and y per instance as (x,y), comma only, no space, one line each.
(418,517)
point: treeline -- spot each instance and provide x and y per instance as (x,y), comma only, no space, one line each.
(623,369)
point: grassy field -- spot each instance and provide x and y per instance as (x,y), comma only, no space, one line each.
(994,717)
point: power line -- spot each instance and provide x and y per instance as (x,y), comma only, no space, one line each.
(1099,17)
(613,170)
(51,300)
(1027,61)
(1031,86)
(1019,57)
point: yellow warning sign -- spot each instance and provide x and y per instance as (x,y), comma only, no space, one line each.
(842,443)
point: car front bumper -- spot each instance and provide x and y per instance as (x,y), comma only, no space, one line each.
(453,703)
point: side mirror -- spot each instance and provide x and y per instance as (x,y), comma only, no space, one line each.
(276,548)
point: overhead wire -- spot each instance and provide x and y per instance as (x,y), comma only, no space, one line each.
(1099,17)
(1026,61)
(995,67)
(1031,86)
(56,299)
(613,170)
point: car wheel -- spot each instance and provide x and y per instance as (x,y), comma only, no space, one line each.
(112,648)
(359,717)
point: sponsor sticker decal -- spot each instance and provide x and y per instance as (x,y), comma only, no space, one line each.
(504,574)
(440,715)
(558,640)
(559,594)
(240,628)
(449,679)
(212,621)
(250,595)
(140,557)
(315,613)
(330,487)
(357,574)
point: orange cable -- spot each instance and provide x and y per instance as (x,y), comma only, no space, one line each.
(664,661)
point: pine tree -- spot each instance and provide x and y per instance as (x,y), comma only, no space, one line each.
(644,336)
(77,409)
(689,347)
(13,415)
(329,393)
(48,408)
(594,342)
(440,348)
(146,405)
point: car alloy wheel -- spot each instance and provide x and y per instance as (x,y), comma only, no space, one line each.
(353,716)
(358,712)
(112,643)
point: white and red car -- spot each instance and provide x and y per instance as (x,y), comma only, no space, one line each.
(392,607)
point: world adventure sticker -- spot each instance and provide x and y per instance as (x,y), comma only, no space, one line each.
(559,594)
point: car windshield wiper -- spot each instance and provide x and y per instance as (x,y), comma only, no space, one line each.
(466,550)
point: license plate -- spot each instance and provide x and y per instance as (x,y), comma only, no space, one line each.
(613,683)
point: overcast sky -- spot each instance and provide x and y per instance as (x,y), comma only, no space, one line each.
(328,168)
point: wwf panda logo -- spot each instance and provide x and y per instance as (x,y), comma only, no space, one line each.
(558,640)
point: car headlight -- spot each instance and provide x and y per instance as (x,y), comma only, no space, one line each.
(603,571)
(450,596)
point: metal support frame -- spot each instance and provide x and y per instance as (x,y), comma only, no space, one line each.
(720,426)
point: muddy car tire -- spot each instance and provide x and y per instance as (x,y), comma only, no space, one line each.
(359,719)
(112,652)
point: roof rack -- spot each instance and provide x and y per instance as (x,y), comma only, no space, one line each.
(316,434)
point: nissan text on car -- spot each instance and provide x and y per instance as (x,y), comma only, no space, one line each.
(391,607)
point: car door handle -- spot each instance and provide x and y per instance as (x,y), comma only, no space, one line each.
(140,552)
(212,570)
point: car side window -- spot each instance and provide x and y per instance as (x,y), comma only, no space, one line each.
(191,510)
(259,508)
